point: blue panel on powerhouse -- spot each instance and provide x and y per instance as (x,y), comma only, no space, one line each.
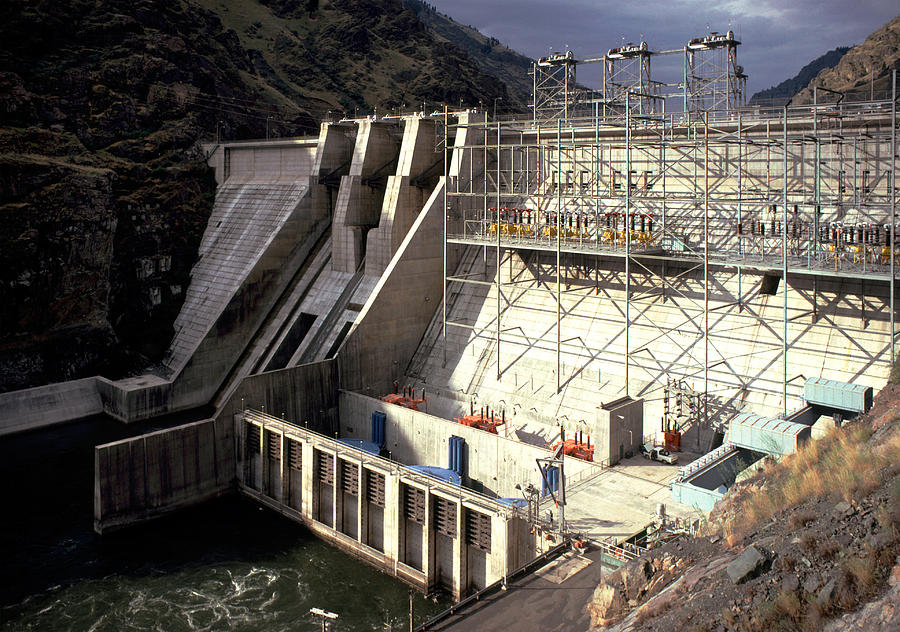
(440,473)
(361,444)
(550,480)
(378,419)
(456,455)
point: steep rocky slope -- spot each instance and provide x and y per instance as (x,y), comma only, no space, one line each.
(865,69)
(807,543)
(789,87)
(491,56)
(103,190)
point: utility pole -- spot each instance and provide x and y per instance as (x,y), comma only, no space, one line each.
(324,615)
(411,610)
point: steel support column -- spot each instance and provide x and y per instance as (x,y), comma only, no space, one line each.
(444,241)
(499,286)
(627,237)
(558,254)
(893,198)
(784,267)
(705,273)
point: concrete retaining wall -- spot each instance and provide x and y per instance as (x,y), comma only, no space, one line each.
(47,405)
(394,319)
(307,394)
(417,438)
(135,398)
(148,476)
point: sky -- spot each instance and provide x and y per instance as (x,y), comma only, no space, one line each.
(778,37)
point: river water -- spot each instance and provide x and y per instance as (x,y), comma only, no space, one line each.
(225,565)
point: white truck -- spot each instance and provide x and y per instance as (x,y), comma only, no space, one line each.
(656,453)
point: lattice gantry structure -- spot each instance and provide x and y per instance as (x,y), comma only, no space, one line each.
(711,81)
(627,83)
(555,89)
(740,254)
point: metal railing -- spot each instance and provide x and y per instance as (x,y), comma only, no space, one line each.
(704,461)
(624,552)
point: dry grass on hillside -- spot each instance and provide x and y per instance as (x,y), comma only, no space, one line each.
(826,523)
(844,464)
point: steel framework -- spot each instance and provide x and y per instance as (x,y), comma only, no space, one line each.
(554,86)
(626,78)
(677,211)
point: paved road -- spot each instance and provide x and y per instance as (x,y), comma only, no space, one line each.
(535,604)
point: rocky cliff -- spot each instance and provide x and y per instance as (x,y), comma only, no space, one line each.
(865,70)
(104,193)
(491,56)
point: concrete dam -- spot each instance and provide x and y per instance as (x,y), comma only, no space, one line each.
(440,341)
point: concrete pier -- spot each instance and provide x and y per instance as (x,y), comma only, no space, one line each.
(156,473)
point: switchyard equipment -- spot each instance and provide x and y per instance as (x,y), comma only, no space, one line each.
(577,447)
(406,398)
(484,420)
(682,408)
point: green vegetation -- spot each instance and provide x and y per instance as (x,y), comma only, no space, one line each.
(359,57)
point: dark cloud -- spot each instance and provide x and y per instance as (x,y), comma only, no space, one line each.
(778,36)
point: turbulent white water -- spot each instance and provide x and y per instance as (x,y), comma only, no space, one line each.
(226,596)
(226,565)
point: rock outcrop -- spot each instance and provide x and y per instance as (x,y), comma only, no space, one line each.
(829,558)
(864,69)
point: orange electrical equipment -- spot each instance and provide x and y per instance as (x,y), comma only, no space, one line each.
(483,420)
(672,441)
(576,448)
(405,397)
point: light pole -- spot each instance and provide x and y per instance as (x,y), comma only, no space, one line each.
(495,106)
(268,118)
(222,124)
(325,616)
